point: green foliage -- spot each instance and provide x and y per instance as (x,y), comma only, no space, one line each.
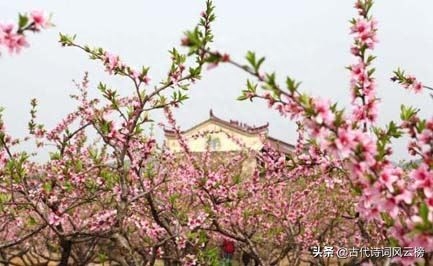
(399,75)
(387,219)
(102,257)
(271,85)
(178,96)
(32,124)
(67,40)
(423,212)
(237,179)
(47,186)
(406,113)
(421,125)
(197,39)
(210,256)
(384,137)
(23,20)
(4,198)
(292,85)
(250,92)
(254,62)
(393,130)
(31,221)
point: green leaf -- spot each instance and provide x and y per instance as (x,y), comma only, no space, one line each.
(407,112)
(79,165)
(237,179)
(251,87)
(357,190)
(67,40)
(251,58)
(32,220)
(47,186)
(102,258)
(393,242)
(421,125)
(393,130)
(22,21)
(104,127)
(68,186)
(55,156)
(370,59)
(292,85)
(387,219)
(241,98)
(423,212)
(172,199)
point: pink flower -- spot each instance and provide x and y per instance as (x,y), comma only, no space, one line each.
(53,219)
(405,261)
(365,32)
(111,62)
(13,41)
(421,173)
(3,158)
(344,141)
(323,111)
(39,19)
(429,202)
(371,196)
(135,75)
(426,136)
(389,205)
(357,70)
(422,240)
(361,26)
(388,176)
(145,79)
(417,87)
(354,50)
(6,29)
(405,196)
(212,66)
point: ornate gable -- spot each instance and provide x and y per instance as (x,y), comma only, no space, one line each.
(224,136)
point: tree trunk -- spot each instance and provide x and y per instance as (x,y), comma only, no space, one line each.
(66,246)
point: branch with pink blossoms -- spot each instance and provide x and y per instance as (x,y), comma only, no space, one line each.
(13,37)
(88,192)
(127,200)
(386,192)
(409,82)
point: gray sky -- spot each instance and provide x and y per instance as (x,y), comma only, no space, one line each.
(305,39)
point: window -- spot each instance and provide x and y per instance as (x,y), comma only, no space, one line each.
(214,144)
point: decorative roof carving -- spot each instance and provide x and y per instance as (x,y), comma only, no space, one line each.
(231,124)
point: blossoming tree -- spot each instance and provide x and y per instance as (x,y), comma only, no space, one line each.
(121,197)
(394,197)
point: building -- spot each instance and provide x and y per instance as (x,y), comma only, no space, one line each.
(226,137)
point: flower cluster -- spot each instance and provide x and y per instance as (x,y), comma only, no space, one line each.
(13,37)
(409,82)
(365,33)
(362,83)
(12,40)
(103,220)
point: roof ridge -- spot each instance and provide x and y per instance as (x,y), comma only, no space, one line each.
(239,125)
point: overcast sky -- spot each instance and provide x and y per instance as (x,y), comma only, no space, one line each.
(307,40)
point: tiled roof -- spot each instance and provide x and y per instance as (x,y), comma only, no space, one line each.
(280,145)
(231,124)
